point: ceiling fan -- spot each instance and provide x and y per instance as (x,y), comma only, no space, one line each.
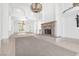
(73,5)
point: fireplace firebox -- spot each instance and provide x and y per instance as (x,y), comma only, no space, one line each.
(48,31)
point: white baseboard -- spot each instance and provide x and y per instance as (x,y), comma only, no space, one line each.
(69,39)
(60,38)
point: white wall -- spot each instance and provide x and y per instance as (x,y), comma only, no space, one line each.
(66,23)
(49,11)
(70,26)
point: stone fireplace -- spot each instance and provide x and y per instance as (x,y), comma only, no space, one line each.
(48,28)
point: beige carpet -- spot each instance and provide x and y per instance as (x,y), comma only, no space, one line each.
(31,46)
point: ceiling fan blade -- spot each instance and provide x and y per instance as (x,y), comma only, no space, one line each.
(67,9)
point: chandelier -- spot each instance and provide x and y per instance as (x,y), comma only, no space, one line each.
(36,7)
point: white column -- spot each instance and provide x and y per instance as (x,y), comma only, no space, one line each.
(59,28)
(59,22)
(5,20)
(0,21)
